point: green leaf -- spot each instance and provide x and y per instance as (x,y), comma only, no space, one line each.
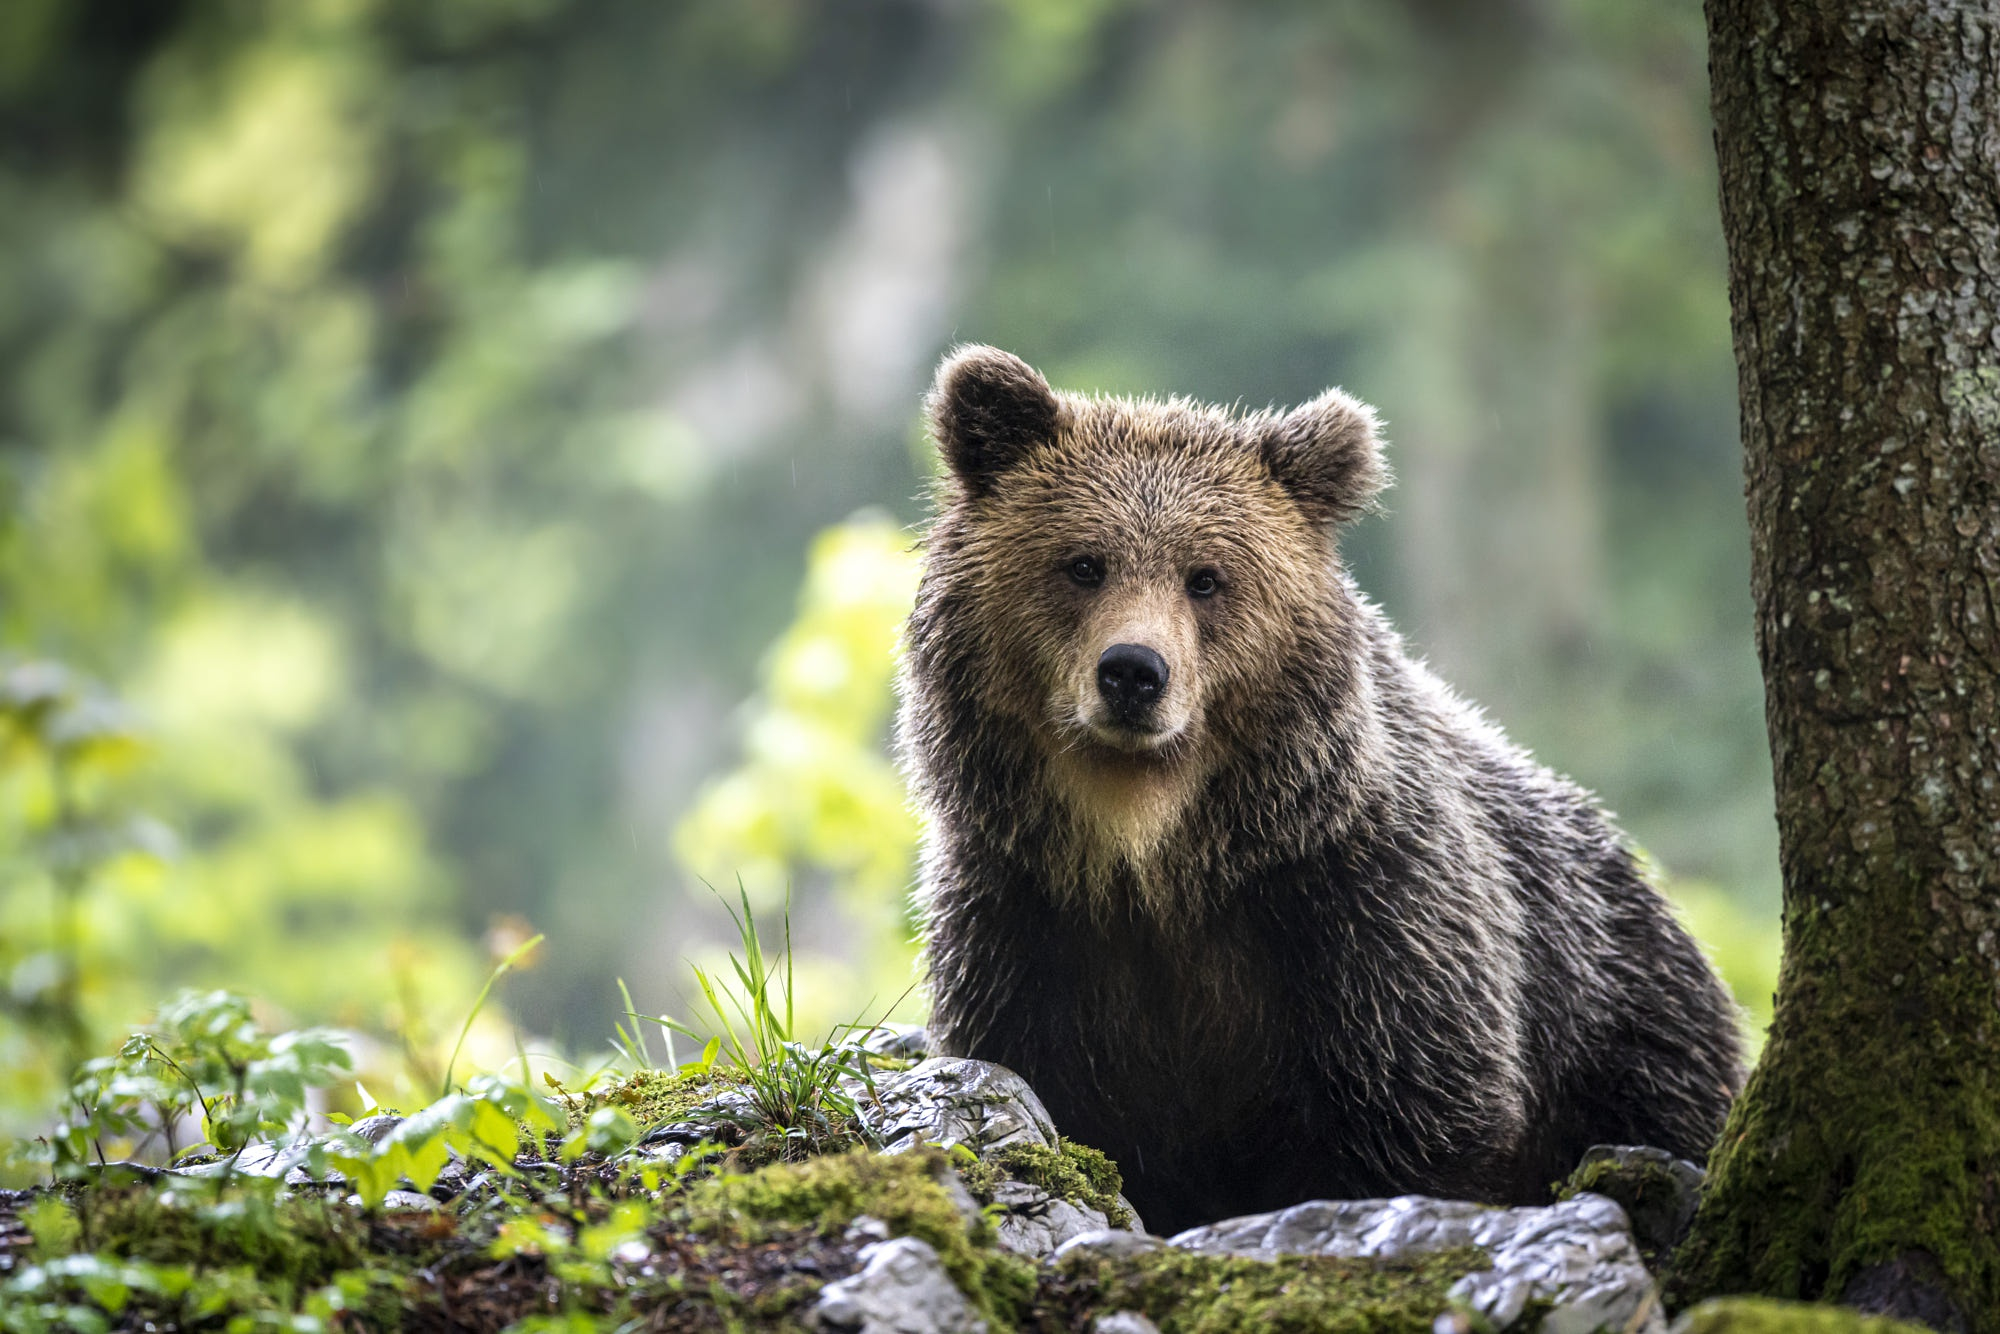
(425,1159)
(495,1132)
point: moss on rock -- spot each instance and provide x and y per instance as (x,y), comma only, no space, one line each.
(652,1097)
(1763,1315)
(1186,1293)
(908,1192)
(1069,1171)
(1650,1186)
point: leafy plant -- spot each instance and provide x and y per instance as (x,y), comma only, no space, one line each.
(489,1122)
(203,1059)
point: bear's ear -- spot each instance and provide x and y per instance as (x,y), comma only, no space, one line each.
(1327,454)
(986,409)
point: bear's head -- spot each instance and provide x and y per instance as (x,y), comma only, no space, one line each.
(1142,576)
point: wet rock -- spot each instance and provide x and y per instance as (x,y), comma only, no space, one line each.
(1123,1322)
(256,1160)
(986,1108)
(900,1042)
(902,1289)
(722,1119)
(375,1128)
(1658,1192)
(401,1201)
(1577,1255)
(1109,1244)
(866,1228)
(949,1100)
(1034,1223)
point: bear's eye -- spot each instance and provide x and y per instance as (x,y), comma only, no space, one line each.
(1085,570)
(1203,583)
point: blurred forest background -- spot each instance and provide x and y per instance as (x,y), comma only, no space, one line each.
(458,457)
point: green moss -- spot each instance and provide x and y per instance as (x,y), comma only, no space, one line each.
(905,1191)
(1869,1133)
(653,1097)
(1857,1143)
(300,1240)
(1070,1171)
(1654,1199)
(1184,1293)
(248,1252)
(53,1226)
(1761,1315)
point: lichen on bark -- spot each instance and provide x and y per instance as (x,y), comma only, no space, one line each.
(1856,144)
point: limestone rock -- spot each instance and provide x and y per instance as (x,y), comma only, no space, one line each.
(375,1128)
(1123,1322)
(949,1100)
(401,1201)
(902,1289)
(1035,1222)
(1109,1244)
(902,1042)
(1578,1255)
(720,1119)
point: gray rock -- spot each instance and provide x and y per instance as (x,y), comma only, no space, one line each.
(266,1160)
(902,1042)
(1033,1222)
(401,1201)
(866,1228)
(721,1119)
(1109,1244)
(902,1289)
(1123,1322)
(949,1100)
(375,1128)
(1579,1254)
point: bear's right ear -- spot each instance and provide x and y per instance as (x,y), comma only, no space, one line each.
(986,409)
(1328,455)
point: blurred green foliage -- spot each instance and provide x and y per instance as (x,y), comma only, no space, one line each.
(318,908)
(424,414)
(816,810)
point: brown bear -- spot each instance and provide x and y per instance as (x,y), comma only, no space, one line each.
(1257,905)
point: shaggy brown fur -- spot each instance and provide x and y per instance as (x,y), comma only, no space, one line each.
(1309,927)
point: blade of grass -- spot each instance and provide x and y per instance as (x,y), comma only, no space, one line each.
(638,1033)
(500,970)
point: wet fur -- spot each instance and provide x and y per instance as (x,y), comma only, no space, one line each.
(1339,937)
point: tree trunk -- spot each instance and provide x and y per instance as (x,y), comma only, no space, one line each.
(1859,146)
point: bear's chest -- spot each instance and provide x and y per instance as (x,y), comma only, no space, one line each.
(1188,1019)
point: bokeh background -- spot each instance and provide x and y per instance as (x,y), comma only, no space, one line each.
(458,458)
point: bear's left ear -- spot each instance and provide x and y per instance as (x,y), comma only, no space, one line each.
(987,409)
(1328,455)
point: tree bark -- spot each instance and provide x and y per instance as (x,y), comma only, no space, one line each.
(1859,146)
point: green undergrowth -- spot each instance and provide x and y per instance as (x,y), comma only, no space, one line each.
(1762,1315)
(1070,1171)
(1184,1293)
(190,1257)
(243,1256)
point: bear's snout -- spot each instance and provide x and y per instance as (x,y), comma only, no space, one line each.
(1131,678)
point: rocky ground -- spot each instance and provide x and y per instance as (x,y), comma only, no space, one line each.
(959,1211)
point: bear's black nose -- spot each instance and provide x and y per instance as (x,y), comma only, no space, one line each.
(1130,677)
